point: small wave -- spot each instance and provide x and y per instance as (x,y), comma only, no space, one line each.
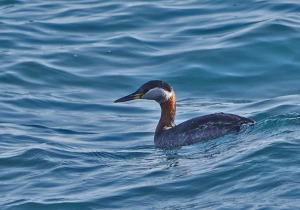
(59,130)
(35,74)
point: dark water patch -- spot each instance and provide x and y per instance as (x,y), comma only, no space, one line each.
(55,204)
(288,7)
(58,130)
(32,74)
(40,103)
(5,4)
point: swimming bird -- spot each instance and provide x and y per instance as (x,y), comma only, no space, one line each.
(167,134)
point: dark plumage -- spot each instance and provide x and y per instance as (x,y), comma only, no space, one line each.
(200,129)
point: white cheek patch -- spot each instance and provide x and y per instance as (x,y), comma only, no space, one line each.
(158,94)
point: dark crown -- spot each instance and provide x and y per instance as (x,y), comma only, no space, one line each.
(154,84)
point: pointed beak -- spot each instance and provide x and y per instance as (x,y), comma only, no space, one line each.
(130,97)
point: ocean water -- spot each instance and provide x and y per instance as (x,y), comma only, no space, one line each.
(64,144)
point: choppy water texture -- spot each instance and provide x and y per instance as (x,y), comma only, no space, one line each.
(65,145)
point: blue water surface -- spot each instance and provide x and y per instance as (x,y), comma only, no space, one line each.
(64,144)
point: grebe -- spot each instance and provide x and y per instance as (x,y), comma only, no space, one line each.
(167,134)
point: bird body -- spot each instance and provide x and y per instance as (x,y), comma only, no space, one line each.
(167,134)
(200,129)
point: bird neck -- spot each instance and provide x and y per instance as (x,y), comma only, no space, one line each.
(167,118)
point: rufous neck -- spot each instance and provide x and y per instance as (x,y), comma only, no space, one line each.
(167,118)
